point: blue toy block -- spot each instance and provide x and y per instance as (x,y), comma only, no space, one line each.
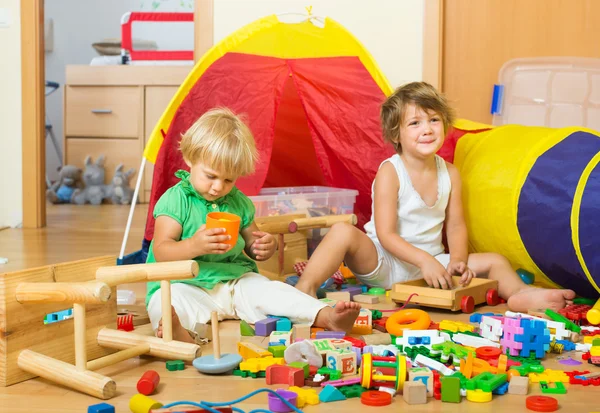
(364,288)
(475,318)
(101,408)
(413,341)
(568,345)
(535,338)
(503,389)
(283,324)
(331,394)
(425,340)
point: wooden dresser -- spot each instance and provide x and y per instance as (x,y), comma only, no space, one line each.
(111,110)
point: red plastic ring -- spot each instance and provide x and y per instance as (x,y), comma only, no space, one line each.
(488,352)
(376,398)
(541,403)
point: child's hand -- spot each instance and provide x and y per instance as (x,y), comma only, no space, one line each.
(264,246)
(435,275)
(459,267)
(210,241)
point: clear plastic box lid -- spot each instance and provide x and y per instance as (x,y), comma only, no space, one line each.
(550,91)
(289,193)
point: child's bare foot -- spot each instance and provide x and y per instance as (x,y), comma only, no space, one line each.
(532,297)
(339,318)
(179,333)
(306,288)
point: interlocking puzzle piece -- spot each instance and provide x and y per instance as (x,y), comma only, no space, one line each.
(535,338)
(450,348)
(473,341)
(174,365)
(518,385)
(455,326)
(101,408)
(502,389)
(547,388)
(450,389)
(426,338)
(491,328)
(305,396)
(512,328)
(255,365)
(557,329)
(245,373)
(433,365)
(562,319)
(486,381)
(354,390)
(575,312)
(331,394)
(333,374)
(249,350)
(549,376)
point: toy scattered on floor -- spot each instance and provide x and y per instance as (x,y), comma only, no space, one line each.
(125,322)
(69,179)
(217,363)
(479,291)
(94,191)
(148,383)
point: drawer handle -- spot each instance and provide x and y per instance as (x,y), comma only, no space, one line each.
(102,111)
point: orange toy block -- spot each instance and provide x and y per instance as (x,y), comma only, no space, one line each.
(278,374)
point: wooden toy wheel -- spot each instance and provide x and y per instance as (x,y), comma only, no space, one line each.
(366,369)
(467,304)
(491,297)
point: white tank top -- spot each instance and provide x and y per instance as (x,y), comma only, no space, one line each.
(418,224)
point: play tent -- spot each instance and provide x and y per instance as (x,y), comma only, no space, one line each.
(311,95)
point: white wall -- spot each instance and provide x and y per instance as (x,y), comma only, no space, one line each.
(391,30)
(78,24)
(11,202)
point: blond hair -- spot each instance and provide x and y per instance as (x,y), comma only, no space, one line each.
(423,96)
(222,141)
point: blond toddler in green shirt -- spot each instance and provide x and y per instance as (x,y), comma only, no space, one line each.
(219,148)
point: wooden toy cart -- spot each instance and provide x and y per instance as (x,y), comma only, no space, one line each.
(479,291)
(69,351)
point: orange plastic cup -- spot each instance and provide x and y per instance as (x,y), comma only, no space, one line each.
(230,222)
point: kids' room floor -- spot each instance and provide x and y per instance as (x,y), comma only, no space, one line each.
(96,231)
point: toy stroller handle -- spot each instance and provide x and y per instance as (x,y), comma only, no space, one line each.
(53,85)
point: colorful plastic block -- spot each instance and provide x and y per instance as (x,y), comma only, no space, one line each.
(450,389)
(331,394)
(174,365)
(535,338)
(101,408)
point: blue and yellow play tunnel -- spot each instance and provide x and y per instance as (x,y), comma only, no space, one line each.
(533,195)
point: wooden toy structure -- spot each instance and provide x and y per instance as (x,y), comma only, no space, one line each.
(291,230)
(69,351)
(479,291)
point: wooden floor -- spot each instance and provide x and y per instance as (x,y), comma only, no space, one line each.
(76,232)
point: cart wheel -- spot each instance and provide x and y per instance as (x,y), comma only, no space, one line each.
(467,304)
(491,297)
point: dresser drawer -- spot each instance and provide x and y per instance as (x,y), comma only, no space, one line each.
(104,112)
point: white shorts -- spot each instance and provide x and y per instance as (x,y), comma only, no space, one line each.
(390,270)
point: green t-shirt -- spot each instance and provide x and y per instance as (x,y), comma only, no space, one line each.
(182,203)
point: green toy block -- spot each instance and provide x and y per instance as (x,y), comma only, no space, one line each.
(558,388)
(301,365)
(174,365)
(486,381)
(376,315)
(450,389)
(333,374)
(246,329)
(462,378)
(354,390)
(277,351)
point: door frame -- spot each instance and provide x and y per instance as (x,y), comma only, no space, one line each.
(33,107)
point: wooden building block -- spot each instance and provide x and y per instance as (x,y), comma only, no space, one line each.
(366,298)
(338,295)
(342,360)
(301,331)
(518,385)
(414,392)
(250,350)
(423,375)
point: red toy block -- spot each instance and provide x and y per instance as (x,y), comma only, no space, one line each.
(575,312)
(278,374)
(355,342)
(148,383)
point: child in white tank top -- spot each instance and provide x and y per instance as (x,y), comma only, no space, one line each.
(415,195)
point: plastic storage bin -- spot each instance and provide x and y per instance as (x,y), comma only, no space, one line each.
(550,91)
(313,201)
